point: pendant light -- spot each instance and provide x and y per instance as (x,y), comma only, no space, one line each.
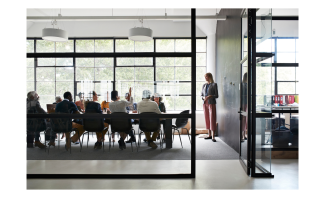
(140,33)
(55,34)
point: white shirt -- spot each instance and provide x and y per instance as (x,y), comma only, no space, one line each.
(120,106)
(147,105)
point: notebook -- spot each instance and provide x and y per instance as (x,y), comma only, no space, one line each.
(50,108)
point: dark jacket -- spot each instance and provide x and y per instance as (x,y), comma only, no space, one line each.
(212,91)
(66,107)
(93,107)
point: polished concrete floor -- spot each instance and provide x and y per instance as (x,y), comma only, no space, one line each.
(210,174)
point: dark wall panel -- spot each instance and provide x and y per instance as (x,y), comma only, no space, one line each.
(228,55)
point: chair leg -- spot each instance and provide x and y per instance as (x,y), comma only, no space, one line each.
(88,140)
(109,142)
(103,140)
(79,141)
(179,134)
(59,140)
(161,137)
(70,141)
(188,135)
(173,136)
(45,141)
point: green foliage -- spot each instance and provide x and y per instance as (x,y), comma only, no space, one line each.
(86,73)
(145,46)
(184,88)
(104,62)
(165,62)
(124,45)
(45,74)
(62,87)
(124,73)
(183,103)
(64,46)
(183,73)
(125,61)
(45,46)
(286,73)
(143,61)
(45,61)
(30,74)
(183,61)
(104,73)
(85,46)
(286,88)
(64,74)
(30,46)
(183,45)
(144,73)
(201,45)
(103,45)
(85,62)
(200,72)
(45,88)
(64,62)
(165,73)
(30,62)
(165,45)
(29,87)
(201,59)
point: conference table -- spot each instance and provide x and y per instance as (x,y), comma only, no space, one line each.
(168,130)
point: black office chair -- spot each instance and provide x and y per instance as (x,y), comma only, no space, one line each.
(35,126)
(121,125)
(180,124)
(93,125)
(62,125)
(149,124)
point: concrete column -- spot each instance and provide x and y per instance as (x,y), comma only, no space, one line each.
(211,55)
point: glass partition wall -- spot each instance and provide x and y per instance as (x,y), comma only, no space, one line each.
(106,64)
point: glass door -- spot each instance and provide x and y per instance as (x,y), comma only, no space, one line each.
(244,154)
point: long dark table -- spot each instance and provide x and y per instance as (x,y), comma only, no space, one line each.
(168,117)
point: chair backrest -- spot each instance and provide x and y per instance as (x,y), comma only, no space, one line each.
(61,125)
(149,124)
(93,125)
(121,124)
(34,124)
(181,122)
(294,125)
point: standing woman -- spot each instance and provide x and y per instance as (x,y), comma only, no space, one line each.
(209,94)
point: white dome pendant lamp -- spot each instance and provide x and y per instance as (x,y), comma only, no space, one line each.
(54,34)
(140,33)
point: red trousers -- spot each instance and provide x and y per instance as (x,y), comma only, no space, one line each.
(210,115)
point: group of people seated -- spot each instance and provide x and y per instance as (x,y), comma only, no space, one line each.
(149,103)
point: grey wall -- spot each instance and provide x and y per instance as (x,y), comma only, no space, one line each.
(228,55)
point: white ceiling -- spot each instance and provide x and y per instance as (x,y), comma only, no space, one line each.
(119,12)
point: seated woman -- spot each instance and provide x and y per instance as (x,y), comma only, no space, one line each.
(94,106)
(120,106)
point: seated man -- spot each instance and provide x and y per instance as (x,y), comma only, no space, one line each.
(57,100)
(67,106)
(120,106)
(33,106)
(146,105)
(94,107)
(133,109)
(80,102)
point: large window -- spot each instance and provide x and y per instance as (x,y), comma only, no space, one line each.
(169,76)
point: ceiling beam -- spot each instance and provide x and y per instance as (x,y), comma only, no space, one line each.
(99,18)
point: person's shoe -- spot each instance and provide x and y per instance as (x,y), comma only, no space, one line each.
(152,144)
(131,140)
(99,146)
(145,140)
(30,145)
(77,142)
(207,138)
(39,144)
(51,144)
(124,145)
(120,144)
(96,145)
(214,140)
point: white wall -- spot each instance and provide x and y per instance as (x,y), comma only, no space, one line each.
(116,28)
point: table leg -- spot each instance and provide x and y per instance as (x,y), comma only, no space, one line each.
(168,133)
